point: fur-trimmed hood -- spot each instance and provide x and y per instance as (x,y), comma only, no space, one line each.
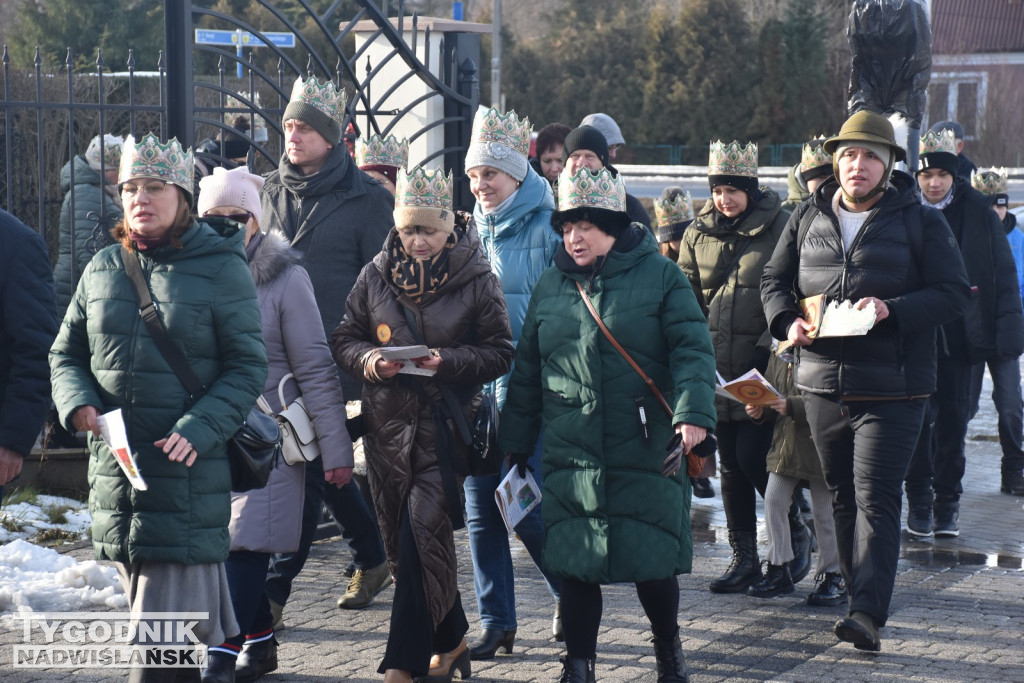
(271,257)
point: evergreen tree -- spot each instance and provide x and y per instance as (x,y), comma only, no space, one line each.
(113,26)
(715,75)
(664,98)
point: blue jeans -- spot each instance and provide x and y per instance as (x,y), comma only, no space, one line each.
(357,522)
(493,580)
(1006,395)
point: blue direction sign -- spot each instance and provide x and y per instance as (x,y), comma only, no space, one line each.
(240,38)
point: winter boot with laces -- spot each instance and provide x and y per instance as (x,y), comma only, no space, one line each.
(775,582)
(830,590)
(745,568)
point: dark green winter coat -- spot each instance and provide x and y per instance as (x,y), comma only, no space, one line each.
(793,453)
(731,298)
(609,514)
(105,357)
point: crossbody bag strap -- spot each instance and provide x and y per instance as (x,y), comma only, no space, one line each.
(618,347)
(149,312)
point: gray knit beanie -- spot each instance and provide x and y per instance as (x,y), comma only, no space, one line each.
(501,141)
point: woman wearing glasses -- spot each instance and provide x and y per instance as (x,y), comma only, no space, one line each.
(169,538)
(269,520)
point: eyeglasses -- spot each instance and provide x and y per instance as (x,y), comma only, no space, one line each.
(242,218)
(152,188)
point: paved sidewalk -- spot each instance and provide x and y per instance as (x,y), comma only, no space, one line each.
(957,612)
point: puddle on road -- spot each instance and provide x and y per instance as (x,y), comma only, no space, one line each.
(946,557)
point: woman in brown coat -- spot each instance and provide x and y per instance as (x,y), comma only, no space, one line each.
(429,285)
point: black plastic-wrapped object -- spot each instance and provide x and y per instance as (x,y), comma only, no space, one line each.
(891,42)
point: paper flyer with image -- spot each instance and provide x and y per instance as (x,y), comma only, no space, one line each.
(114,434)
(516,496)
(404,355)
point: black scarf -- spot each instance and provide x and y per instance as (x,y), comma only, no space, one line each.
(415,277)
(317,183)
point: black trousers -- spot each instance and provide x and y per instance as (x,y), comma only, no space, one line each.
(865,448)
(742,450)
(411,640)
(941,460)
(582,605)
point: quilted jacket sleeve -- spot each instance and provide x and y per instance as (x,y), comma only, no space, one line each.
(490,356)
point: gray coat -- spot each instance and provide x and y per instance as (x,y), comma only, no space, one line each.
(270,519)
(95,213)
(337,218)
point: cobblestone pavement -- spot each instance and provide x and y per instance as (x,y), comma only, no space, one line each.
(957,611)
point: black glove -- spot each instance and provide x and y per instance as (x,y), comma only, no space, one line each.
(674,456)
(707,447)
(519,460)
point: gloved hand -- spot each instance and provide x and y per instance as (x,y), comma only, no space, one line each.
(519,460)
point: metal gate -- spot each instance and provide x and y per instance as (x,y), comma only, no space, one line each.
(48,118)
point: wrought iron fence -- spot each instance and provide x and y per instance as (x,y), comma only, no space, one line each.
(48,117)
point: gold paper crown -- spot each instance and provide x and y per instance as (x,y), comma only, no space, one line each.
(941,141)
(991,181)
(420,188)
(491,127)
(232,102)
(378,151)
(594,189)
(322,96)
(813,155)
(733,159)
(675,210)
(148,158)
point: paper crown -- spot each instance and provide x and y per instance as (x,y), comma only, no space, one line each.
(423,189)
(148,158)
(232,102)
(676,210)
(733,159)
(495,130)
(991,181)
(594,189)
(322,96)
(108,147)
(378,151)
(940,141)
(813,155)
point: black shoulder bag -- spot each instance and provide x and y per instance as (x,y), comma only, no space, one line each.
(446,446)
(254,449)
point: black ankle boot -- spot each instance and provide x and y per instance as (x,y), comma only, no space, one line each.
(800,539)
(775,582)
(256,659)
(745,568)
(577,670)
(490,641)
(220,668)
(668,656)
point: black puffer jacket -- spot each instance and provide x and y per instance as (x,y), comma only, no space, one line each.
(898,356)
(992,326)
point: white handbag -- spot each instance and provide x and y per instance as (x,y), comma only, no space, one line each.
(298,438)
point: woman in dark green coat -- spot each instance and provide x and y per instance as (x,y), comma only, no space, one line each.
(169,540)
(613,510)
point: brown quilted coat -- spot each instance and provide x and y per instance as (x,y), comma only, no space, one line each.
(466,320)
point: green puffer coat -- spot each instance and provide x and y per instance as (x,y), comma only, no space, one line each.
(104,357)
(609,514)
(731,299)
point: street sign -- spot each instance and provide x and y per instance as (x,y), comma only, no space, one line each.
(240,38)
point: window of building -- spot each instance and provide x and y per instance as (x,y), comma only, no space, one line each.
(958,97)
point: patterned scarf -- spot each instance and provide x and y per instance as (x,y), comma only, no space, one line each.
(420,277)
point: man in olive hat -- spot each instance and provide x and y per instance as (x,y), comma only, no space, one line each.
(864,237)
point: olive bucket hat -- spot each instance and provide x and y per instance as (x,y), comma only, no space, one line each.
(866,126)
(874,132)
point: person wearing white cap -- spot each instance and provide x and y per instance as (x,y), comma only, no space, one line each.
(512,214)
(609,129)
(269,520)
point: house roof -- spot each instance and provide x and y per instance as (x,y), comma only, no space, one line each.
(970,26)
